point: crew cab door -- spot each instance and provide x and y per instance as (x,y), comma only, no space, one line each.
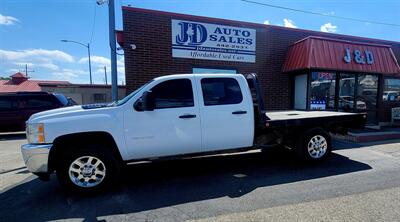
(172,128)
(226,111)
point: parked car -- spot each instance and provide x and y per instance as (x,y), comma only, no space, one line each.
(16,108)
(391,95)
(172,116)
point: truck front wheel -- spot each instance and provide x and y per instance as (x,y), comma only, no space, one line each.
(315,145)
(87,169)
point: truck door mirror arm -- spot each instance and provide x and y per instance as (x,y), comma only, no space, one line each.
(146,102)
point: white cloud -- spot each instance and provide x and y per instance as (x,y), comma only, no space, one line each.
(73,75)
(266,22)
(328,27)
(7,20)
(288,23)
(64,75)
(38,55)
(49,66)
(100,61)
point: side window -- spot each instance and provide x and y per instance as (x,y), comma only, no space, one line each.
(40,102)
(6,103)
(173,94)
(221,91)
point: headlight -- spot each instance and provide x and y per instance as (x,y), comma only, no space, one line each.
(35,132)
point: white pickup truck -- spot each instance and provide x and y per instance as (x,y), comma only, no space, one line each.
(172,116)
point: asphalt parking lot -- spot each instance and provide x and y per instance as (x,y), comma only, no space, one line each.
(359,183)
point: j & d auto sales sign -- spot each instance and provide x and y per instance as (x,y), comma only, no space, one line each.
(214,42)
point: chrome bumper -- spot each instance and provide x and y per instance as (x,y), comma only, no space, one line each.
(36,157)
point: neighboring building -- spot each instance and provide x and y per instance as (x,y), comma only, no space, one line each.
(298,69)
(80,93)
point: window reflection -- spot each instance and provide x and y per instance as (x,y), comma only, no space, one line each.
(322,90)
(346,92)
(391,90)
(367,91)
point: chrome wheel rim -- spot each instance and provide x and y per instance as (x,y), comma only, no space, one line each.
(87,171)
(317,146)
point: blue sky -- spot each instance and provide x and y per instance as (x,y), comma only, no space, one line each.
(31,30)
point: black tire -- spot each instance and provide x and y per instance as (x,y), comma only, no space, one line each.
(315,155)
(111,168)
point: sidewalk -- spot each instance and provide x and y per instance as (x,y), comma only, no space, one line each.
(371,135)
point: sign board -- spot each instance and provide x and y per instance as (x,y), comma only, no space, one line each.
(318,105)
(360,58)
(197,40)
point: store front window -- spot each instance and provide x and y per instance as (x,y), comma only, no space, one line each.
(322,90)
(391,90)
(346,91)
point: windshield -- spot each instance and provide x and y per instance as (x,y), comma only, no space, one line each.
(128,97)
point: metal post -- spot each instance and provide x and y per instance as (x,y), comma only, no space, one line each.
(111,23)
(105,74)
(90,64)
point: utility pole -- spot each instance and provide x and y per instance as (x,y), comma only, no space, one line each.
(105,74)
(26,70)
(111,24)
(90,64)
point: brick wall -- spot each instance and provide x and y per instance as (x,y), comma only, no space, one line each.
(150,31)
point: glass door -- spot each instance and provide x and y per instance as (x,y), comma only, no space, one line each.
(367,94)
(346,93)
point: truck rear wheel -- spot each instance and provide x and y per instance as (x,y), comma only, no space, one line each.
(315,145)
(88,170)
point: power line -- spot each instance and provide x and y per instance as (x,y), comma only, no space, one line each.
(321,14)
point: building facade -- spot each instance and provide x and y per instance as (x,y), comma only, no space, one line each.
(298,69)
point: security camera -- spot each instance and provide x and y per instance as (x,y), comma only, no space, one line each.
(133,46)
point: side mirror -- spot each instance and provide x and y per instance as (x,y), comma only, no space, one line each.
(148,102)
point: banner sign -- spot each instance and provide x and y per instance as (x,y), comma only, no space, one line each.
(197,40)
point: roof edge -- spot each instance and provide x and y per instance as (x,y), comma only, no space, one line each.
(152,11)
(342,41)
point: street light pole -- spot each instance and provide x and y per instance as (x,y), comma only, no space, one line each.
(111,24)
(88,48)
(90,64)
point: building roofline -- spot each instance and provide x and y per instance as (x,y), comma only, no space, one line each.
(78,85)
(235,22)
(341,41)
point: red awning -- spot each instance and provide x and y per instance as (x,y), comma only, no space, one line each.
(340,55)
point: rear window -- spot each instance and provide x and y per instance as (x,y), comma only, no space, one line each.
(221,91)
